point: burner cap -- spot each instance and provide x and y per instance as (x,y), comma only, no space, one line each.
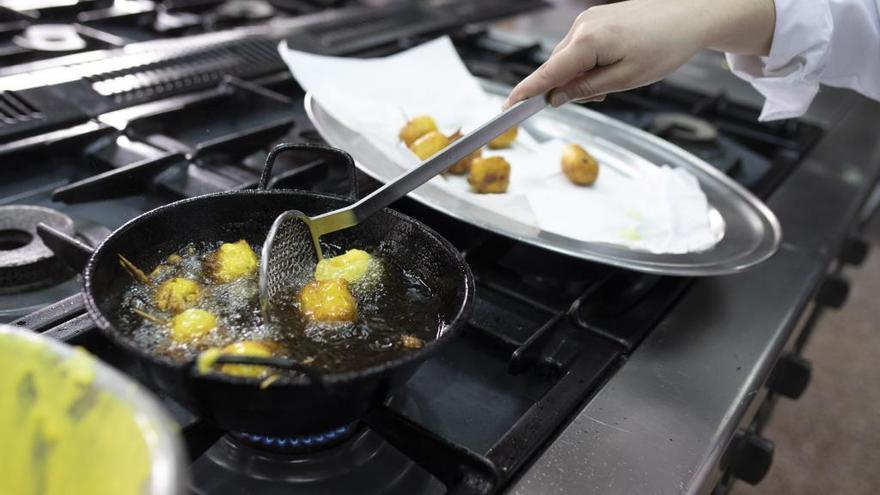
(51,38)
(25,262)
(683,128)
(246,9)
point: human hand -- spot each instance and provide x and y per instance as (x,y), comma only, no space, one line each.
(621,46)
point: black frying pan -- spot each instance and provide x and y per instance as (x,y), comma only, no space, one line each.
(299,404)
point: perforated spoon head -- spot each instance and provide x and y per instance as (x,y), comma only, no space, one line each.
(289,257)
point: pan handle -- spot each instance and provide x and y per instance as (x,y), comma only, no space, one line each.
(73,252)
(311,373)
(320,150)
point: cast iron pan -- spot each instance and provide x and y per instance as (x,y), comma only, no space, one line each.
(299,404)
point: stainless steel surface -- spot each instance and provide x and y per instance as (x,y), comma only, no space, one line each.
(664,419)
(662,422)
(168,465)
(751,233)
(292,247)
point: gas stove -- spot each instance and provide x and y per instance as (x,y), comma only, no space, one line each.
(547,331)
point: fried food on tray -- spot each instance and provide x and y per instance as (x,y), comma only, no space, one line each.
(505,139)
(350,266)
(177,294)
(328,301)
(463,166)
(417,127)
(429,144)
(231,261)
(489,175)
(248,348)
(579,166)
(192,325)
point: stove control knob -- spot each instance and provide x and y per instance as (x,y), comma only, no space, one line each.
(790,376)
(854,251)
(752,456)
(833,292)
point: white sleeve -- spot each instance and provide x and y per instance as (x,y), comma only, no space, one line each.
(833,42)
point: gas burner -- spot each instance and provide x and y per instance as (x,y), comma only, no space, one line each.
(299,443)
(25,262)
(363,464)
(51,38)
(684,129)
(168,22)
(349,459)
(248,10)
(30,274)
(51,7)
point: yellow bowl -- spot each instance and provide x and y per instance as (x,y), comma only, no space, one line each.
(71,424)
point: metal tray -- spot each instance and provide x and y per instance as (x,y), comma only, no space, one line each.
(751,234)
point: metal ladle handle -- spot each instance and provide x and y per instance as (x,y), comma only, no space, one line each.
(449,156)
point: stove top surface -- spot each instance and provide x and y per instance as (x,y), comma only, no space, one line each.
(546,330)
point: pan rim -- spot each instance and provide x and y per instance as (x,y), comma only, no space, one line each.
(453,327)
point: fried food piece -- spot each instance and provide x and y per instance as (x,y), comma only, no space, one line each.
(248,348)
(231,261)
(417,127)
(505,139)
(489,175)
(429,144)
(328,300)
(350,266)
(170,262)
(192,325)
(463,166)
(411,342)
(177,294)
(578,165)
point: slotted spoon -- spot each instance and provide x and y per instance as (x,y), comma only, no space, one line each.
(292,248)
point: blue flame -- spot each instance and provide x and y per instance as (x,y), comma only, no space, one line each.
(298,441)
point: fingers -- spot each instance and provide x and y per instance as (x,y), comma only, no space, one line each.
(595,99)
(568,62)
(595,83)
(562,44)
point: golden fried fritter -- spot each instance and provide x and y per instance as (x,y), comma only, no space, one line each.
(248,348)
(579,166)
(429,144)
(504,140)
(489,175)
(463,166)
(417,127)
(191,325)
(328,301)
(350,266)
(231,261)
(177,294)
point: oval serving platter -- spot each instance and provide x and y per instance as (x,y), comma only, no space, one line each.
(749,231)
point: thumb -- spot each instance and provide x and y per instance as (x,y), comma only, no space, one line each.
(597,82)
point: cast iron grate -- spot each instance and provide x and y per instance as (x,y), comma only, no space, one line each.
(188,70)
(15,110)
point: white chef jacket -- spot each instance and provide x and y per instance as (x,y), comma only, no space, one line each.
(832,42)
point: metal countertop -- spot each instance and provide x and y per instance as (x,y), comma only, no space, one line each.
(662,422)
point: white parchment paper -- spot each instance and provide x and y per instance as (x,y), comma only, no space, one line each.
(633,203)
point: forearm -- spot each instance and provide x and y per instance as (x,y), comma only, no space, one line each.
(628,44)
(738,26)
